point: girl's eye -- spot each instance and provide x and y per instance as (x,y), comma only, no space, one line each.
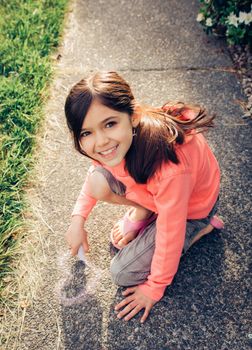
(84,133)
(110,124)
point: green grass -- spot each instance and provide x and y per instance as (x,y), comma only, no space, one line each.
(29,33)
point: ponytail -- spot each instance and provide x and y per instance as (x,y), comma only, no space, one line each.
(159,131)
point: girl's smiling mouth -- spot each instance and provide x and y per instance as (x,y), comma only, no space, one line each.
(109,152)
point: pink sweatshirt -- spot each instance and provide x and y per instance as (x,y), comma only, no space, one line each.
(176,192)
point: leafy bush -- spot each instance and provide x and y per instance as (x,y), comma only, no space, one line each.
(230,18)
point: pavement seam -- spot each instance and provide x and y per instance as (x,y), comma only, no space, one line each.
(228,69)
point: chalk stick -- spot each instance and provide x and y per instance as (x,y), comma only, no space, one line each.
(81,254)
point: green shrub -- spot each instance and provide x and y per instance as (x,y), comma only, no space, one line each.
(229,18)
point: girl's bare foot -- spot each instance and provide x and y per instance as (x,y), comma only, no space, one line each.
(209,228)
(135,215)
(120,239)
(216,222)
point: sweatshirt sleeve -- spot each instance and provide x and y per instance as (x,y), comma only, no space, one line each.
(85,202)
(171,199)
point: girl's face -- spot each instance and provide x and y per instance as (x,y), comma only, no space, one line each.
(106,134)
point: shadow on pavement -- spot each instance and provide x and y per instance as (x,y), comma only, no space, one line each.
(81,313)
(194,312)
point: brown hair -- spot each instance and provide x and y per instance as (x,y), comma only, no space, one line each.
(159,130)
(107,87)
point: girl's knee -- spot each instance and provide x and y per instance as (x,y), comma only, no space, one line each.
(126,276)
(119,275)
(99,186)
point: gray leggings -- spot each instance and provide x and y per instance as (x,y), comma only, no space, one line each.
(131,265)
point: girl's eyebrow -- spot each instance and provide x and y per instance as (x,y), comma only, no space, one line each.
(107,119)
(104,121)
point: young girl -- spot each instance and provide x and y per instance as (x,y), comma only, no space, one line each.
(153,159)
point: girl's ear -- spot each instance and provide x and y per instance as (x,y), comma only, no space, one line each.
(136,116)
(135,119)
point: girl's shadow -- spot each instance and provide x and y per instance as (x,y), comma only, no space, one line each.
(194,309)
(81,312)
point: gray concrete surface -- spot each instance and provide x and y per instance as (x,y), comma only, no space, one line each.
(161,50)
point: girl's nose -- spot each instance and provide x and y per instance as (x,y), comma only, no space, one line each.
(101,139)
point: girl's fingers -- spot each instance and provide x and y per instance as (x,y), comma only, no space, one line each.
(85,244)
(124,302)
(145,315)
(128,309)
(133,303)
(133,312)
(129,291)
(74,251)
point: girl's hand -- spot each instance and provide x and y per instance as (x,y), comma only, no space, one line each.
(76,235)
(134,302)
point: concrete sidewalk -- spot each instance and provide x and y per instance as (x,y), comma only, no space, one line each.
(161,50)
